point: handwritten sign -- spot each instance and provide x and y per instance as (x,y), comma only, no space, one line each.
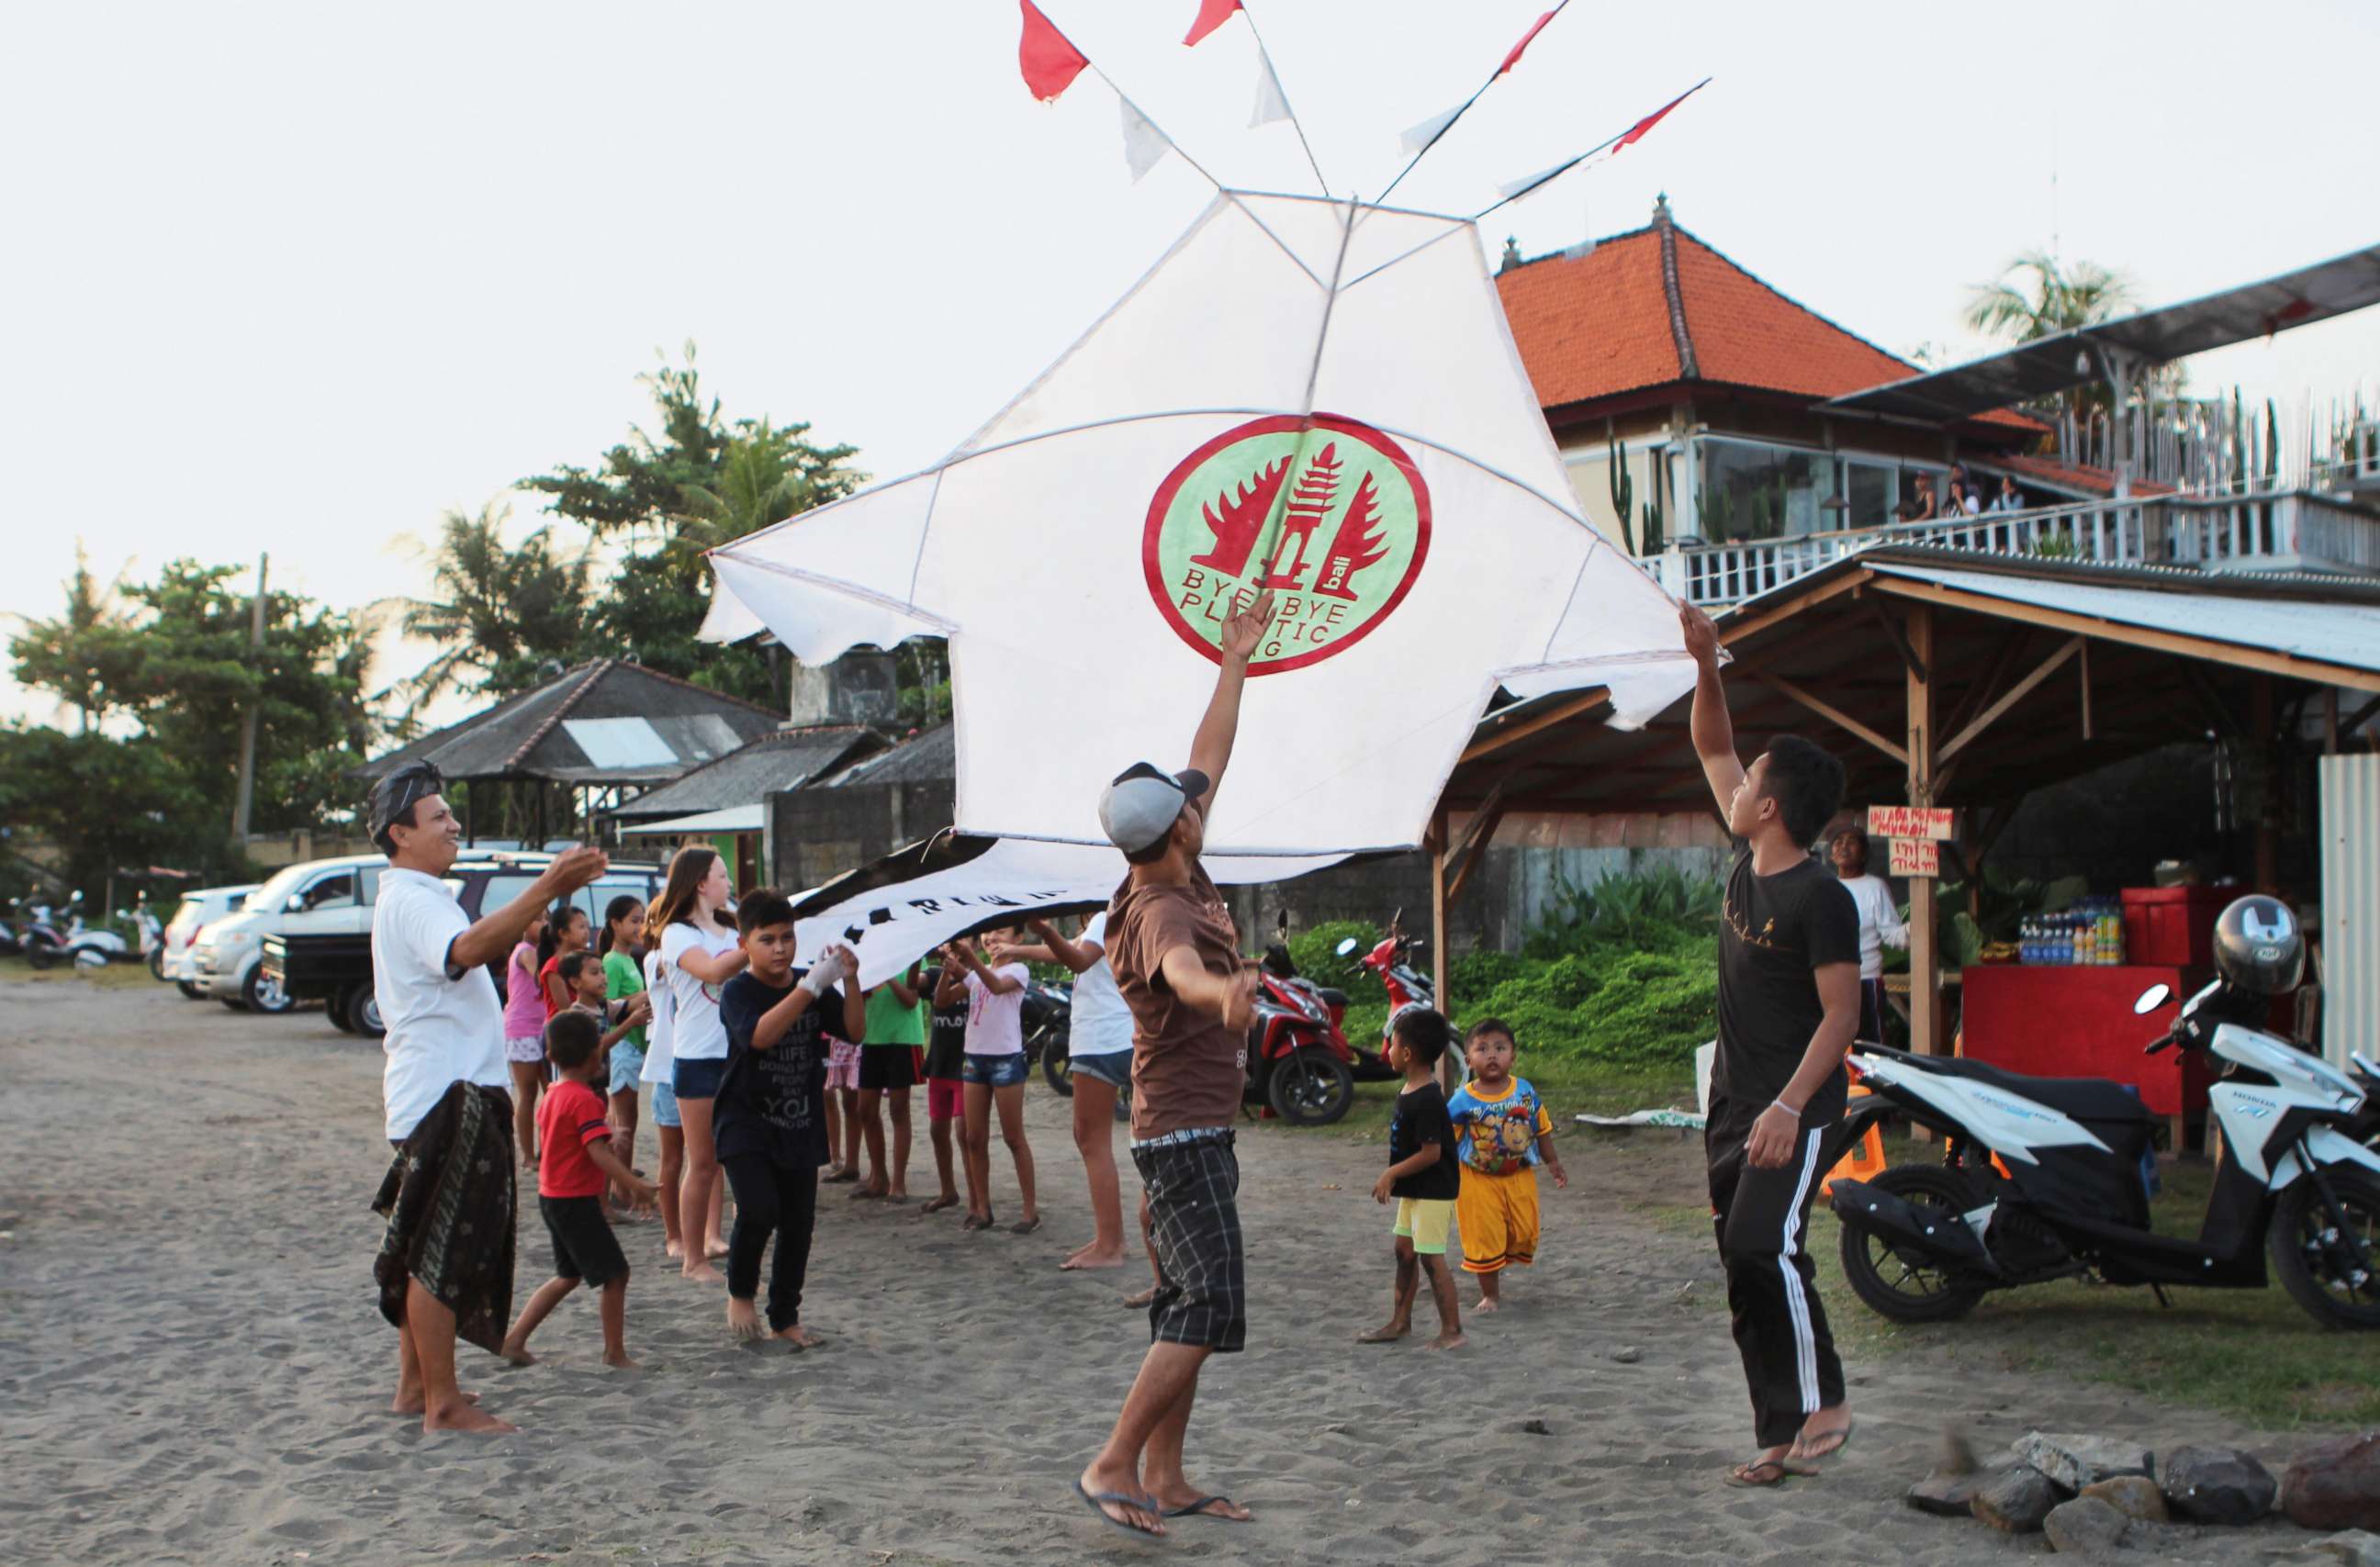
(1916,856)
(1909,821)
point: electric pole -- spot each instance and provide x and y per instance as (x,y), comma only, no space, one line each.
(239,810)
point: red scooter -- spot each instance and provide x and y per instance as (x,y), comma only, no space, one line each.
(1392,962)
(1299,1064)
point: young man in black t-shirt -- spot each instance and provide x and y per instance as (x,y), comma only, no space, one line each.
(1788,1006)
(769,1120)
(1425,1176)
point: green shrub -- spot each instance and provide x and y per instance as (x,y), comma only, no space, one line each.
(1644,1007)
(1316,954)
(1475,974)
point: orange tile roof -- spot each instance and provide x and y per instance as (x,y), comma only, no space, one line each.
(1615,320)
(2090,481)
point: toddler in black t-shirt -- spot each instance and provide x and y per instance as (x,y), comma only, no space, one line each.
(1424,1175)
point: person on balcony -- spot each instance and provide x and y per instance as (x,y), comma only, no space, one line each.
(1926,507)
(1961,500)
(2007,500)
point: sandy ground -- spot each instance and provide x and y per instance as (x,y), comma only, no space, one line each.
(192,1368)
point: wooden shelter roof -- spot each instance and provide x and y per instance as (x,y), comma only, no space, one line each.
(2042,671)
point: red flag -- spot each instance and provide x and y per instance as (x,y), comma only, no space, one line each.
(1526,39)
(1649,121)
(1212,14)
(1049,62)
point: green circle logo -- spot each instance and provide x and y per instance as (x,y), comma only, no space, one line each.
(1327,514)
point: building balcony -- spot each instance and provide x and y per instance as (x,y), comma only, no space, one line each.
(2275,531)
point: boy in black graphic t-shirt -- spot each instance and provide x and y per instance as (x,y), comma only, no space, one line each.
(770,1122)
(1424,1177)
(1788,1006)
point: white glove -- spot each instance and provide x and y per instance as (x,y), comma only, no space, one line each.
(828,972)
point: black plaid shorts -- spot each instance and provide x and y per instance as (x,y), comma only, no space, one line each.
(1194,1218)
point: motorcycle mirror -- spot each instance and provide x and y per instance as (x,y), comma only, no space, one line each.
(2151,998)
(1346,946)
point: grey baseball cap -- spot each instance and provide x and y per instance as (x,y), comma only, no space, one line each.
(1139,806)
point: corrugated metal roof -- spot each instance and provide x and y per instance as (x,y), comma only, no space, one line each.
(930,758)
(2342,633)
(527,735)
(2051,365)
(734,819)
(786,759)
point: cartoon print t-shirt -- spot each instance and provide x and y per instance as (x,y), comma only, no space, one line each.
(1498,1132)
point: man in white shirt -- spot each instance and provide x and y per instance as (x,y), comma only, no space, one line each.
(445,1264)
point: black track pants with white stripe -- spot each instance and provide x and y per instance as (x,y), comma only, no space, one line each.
(1762,1220)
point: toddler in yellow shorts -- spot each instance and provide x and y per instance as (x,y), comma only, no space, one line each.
(1503,1134)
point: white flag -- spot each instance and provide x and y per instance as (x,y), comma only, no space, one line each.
(1271,103)
(1430,129)
(1513,189)
(1145,146)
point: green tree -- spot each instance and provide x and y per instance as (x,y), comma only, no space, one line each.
(192,675)
(692,482)
(108,804)
(81,657)
(504,613)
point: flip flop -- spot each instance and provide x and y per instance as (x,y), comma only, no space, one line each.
(1744,1476)
(937,1205)
(972,1222)
(840,1178)
(1841,1439)
(1026,1226)
(1198,1510)
(1100,1502)
(861,1194)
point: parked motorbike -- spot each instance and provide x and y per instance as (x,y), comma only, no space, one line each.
(2043,1178)
(10,944)
(1300,1067)
(1049,1014)
(47,943)
(1392,962)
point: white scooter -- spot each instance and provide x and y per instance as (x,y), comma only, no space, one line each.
(2067,1194)
(47,943)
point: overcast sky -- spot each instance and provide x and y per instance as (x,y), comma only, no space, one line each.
(298,277)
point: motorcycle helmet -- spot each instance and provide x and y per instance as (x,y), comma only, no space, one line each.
(2258,947)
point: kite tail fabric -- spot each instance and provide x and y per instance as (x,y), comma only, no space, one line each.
(448,1197)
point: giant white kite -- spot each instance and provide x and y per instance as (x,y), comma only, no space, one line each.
(1314,395)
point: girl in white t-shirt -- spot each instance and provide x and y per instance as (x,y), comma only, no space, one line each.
(1099,1046)
(992,1072)
(1880,925)
(698,953)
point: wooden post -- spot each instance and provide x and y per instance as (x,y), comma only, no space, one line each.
(1925,961)
(2269,812)
(1438,934)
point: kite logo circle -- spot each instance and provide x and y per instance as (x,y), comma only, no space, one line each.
(1330,515)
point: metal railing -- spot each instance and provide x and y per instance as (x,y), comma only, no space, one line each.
(2278,530)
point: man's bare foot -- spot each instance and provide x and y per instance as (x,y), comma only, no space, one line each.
(714,1248)
(1485,1302)
(1142,1300)
(1085,1258)
(517,1350)
(465,1416)
(896,1194)
(1388,1334)
(408,1401)
(743,1317)
(938,1204)
(622,1361)
(1187,1501)
(800,1337)
(674,1251)
(1097,1485)
(1446,1340)
(703,1273)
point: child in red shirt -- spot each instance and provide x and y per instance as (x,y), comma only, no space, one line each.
(573,1157)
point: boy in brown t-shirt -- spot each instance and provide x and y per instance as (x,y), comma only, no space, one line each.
(1176,958)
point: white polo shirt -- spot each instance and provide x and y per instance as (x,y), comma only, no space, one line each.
(442,1028)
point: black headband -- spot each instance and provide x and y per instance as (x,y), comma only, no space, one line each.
(394,796)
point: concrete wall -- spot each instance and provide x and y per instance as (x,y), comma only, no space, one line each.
(817,834)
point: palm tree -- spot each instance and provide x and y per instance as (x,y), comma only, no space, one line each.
(2038,295)
(765,475)
(508,615)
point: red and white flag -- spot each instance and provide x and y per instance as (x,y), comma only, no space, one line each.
(1212,14)
(1526,39)
(1514,190)
(1048,61)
